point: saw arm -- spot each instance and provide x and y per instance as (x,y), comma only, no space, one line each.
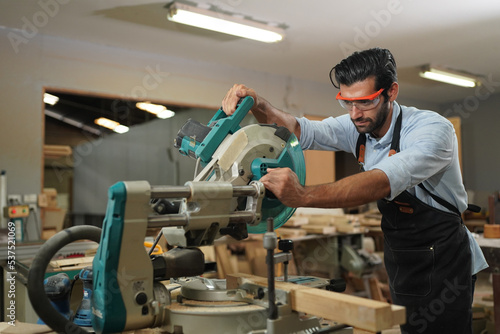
(242,155)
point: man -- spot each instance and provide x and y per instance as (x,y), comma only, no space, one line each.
(411,168)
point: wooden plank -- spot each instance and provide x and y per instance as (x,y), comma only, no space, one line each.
(398,314)
(362,313)
(361,331)
(319,229)
(289,233)
(296,221)
(224,266)
(375,290)
(72,262)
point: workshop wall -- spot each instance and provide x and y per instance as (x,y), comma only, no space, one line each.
(481,156)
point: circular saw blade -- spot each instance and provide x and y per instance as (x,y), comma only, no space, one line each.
(272,207)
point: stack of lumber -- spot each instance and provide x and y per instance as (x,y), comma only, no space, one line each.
(321,221)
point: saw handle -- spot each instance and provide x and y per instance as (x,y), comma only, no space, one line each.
(242,108)
(221,125)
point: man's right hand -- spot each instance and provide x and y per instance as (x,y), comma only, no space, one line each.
(232,97)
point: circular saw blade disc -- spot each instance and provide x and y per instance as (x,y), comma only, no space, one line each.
(272,207)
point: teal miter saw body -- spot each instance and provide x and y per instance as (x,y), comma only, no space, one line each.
(241,155)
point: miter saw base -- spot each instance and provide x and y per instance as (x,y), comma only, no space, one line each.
(206,306)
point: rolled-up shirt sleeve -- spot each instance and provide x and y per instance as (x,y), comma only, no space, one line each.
(330,134)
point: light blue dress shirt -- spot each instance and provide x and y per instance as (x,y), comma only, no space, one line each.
(428,155)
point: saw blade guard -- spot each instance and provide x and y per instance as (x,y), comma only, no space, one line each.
(291,157)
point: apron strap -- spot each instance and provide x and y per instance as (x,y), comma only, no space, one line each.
(441,201)
(396,135)
(360,150)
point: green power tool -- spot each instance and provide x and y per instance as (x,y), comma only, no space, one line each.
(240,155)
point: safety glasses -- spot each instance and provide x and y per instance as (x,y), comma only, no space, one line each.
(362,103)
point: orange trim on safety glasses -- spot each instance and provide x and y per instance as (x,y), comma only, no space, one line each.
(369,97)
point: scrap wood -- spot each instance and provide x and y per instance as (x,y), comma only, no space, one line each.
(287,232)
(370,222)
(342,224)
(224,264)
(71,262)
(296,220)
(328,220)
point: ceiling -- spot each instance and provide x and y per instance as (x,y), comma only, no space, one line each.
(464,35)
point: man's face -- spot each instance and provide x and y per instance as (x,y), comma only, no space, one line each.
(374,121)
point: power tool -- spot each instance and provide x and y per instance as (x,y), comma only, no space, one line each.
(58,290)
(83,315)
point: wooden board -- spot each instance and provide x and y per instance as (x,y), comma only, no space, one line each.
(362,313)
(319,229)
(290,233)
(71,263)
(224,266)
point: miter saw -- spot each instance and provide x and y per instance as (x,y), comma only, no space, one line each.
(224,199)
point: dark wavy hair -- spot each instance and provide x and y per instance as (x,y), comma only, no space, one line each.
(360,65)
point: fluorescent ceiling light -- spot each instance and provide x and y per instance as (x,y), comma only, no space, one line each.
(50,99)
(449,76)
(157,109)
(112,125)
(224,23)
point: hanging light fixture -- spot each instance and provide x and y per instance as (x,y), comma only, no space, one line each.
(449,76)
(157,109)
(50,99)
(112,125)
(224,22)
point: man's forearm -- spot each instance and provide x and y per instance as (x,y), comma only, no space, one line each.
(266,113)
(351,191)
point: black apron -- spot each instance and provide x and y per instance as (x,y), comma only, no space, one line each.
(427,258)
